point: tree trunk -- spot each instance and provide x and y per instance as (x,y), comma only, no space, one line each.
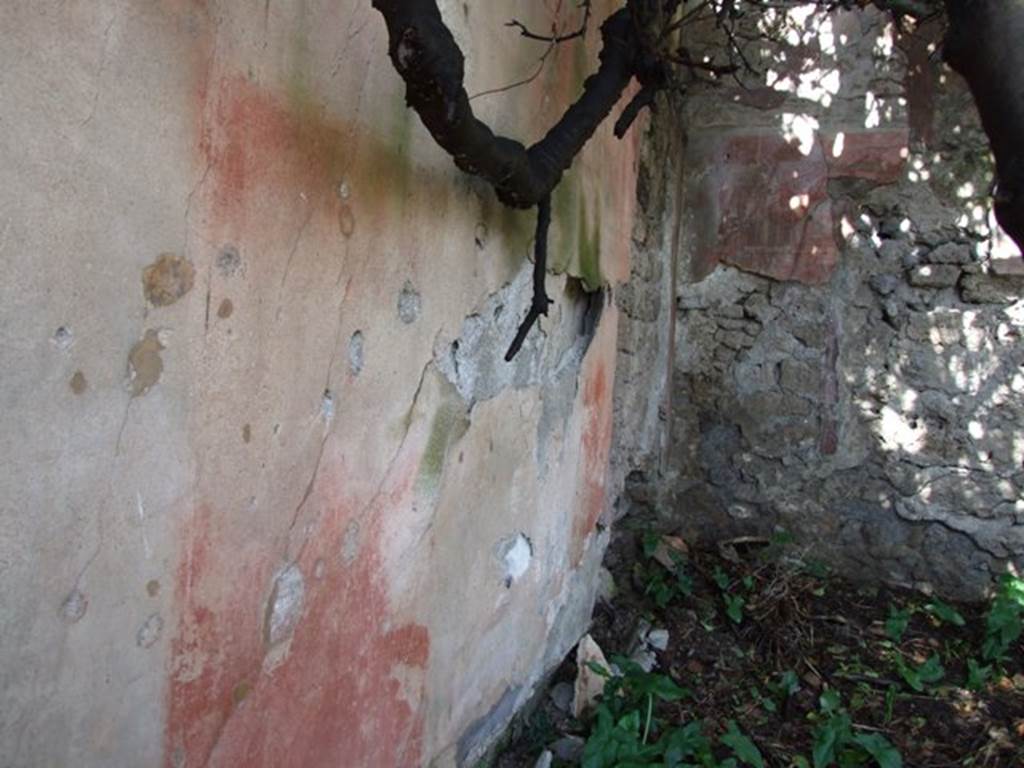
(985,44)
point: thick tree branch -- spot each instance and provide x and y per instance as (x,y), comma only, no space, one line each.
(985,44)
(425,54)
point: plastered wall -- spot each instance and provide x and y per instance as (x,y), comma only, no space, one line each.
(269,494)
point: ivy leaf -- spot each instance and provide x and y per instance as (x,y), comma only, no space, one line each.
(876,745)
(721,578)
(686,742)
(917,677)
(742,746)
(830,701)
(896,624)
(945,612)
(832,734)
(734,608)
(932,670)
(977,675)
(666,689)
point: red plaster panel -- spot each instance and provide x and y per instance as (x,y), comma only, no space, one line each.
(347,693)
(597,438)
(761,229)
(774,214)
(878,156)
(271,160)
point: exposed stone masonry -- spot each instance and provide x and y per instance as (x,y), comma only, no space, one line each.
(849,363)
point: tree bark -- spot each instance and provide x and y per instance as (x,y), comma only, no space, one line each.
(425,54)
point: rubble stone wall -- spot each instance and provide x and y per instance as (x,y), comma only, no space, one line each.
(848,363)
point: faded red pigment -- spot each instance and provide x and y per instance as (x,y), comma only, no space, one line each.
(251,143)
(774,211)
(267,160)
(597,441)
(347,690)
(337,697)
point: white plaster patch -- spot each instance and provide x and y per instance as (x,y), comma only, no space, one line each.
(150,632)
(73,607)
(285,606)
(409,303)
(356,353)
(63,338)
(327,406)
(516,554)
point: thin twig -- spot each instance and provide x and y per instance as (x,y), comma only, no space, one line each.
(541,302)
(555,39)
(525,81)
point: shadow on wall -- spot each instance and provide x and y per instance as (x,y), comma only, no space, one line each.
(849,364)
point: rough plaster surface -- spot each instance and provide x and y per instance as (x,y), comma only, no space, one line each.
(270,495)
(848,364)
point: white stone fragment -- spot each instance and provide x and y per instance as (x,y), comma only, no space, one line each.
(589,684)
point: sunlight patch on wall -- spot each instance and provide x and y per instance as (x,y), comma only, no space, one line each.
(800,129)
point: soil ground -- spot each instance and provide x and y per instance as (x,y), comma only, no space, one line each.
(802,630)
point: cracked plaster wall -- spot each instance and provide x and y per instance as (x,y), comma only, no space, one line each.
(270,495)
(848,365)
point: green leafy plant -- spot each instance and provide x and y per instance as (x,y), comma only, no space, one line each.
(690,744)
(897,622)
(1003,621)
(779,691)
(836,742)
(734,600)
(742,746)
(661,583)
(945,613)
(787,685)
(721,578)
(977,675)
(917,677)
(625,717)
(734,607)
(627,734)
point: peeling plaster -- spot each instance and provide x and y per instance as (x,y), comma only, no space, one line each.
(515,554)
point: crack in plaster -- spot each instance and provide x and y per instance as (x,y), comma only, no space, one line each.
(99,72)
(295,243)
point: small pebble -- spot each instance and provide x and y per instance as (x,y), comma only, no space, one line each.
(658,639)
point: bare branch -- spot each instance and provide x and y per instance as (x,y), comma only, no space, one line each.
(541,302)
(555,39)
(425,54)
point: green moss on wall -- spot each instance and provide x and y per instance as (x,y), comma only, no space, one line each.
(576,238)
(588,248)
(447,425)
(564,210)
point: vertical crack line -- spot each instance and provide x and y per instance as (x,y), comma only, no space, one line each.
(99,71)
(209,281)
(302,502)
(295,243)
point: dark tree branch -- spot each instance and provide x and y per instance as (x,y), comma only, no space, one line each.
(555,39)
(425,54)
(643,98)
(984,44)
(541,302)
